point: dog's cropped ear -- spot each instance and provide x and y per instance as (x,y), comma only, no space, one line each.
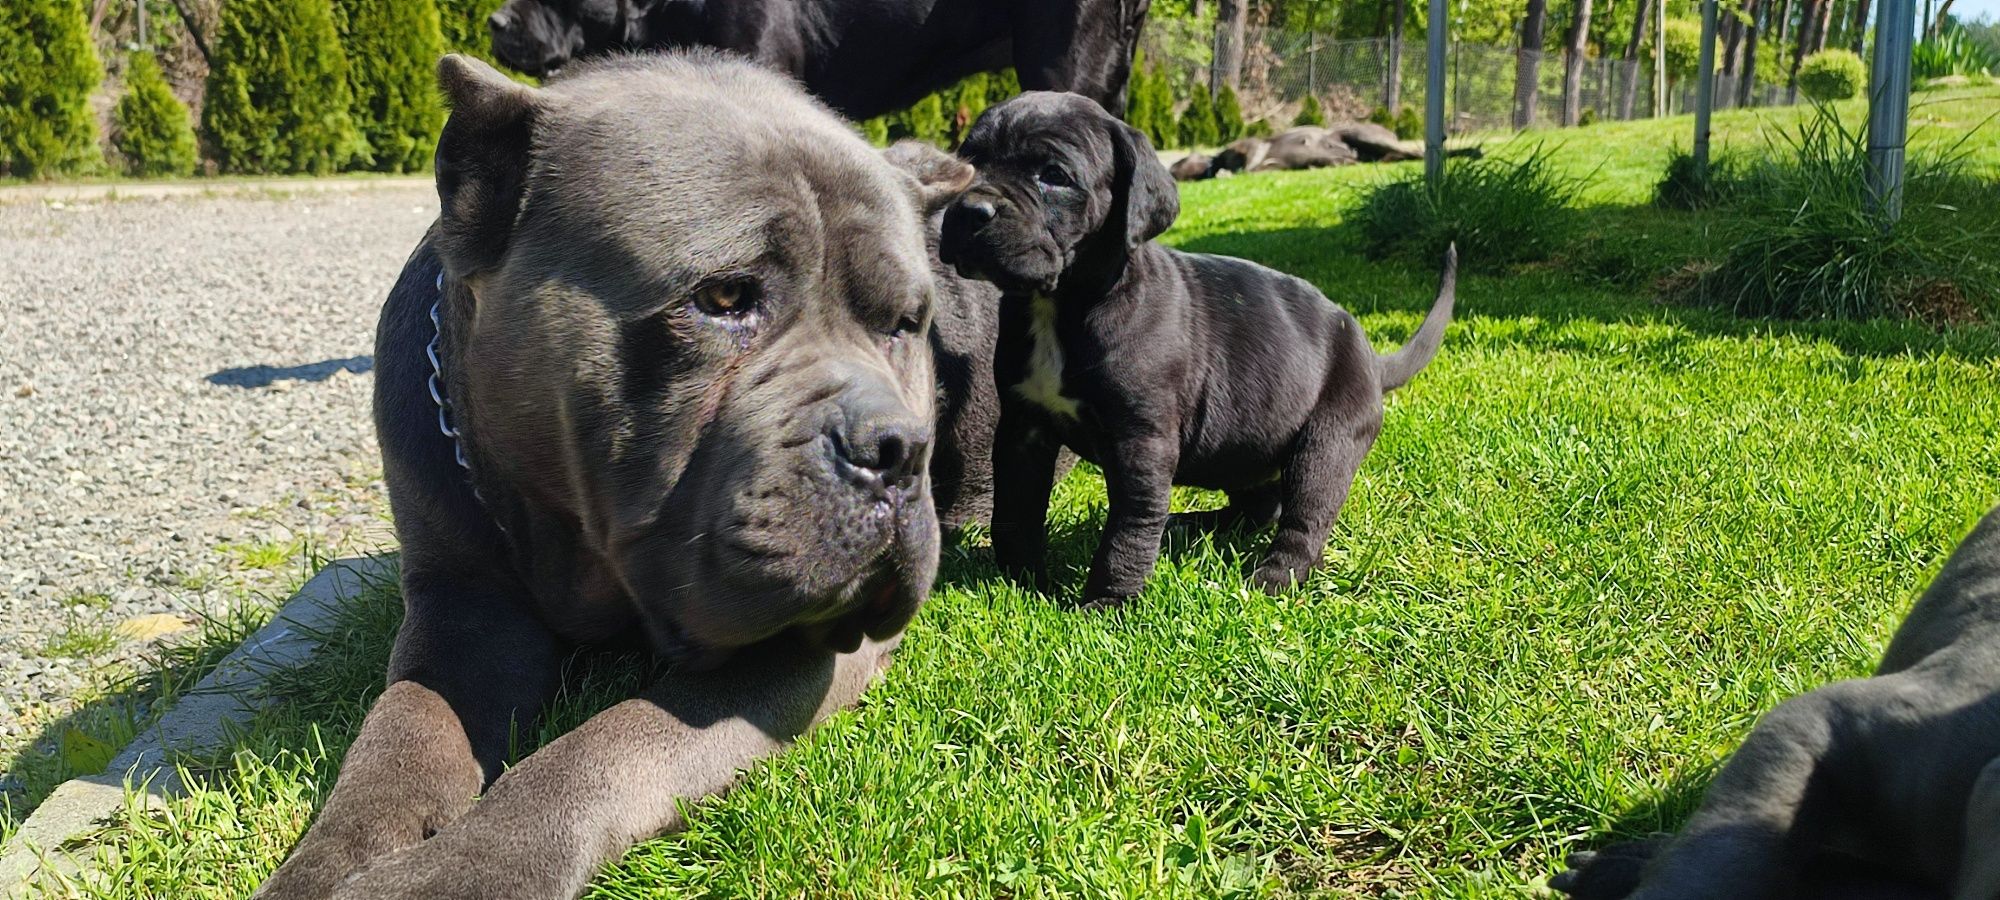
(1143,192)
(940,176)
(482,162)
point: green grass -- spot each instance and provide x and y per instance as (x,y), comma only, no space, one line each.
(1596,539)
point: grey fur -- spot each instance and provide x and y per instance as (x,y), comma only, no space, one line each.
(1897,776)
(684,327)
(1163,367)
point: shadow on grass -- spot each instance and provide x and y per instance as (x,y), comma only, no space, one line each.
(1607,278)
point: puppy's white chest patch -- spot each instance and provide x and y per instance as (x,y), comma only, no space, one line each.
(1043,384)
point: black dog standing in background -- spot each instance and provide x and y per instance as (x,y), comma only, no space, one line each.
(862,57)
(1162,367)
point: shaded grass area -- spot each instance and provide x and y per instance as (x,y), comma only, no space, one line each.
(1596,538)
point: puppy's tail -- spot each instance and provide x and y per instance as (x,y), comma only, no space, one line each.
(1399,367)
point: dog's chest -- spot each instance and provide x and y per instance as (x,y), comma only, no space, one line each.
(1042,381)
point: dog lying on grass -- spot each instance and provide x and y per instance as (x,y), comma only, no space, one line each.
(1162,367)
(658,377)
(1880,788)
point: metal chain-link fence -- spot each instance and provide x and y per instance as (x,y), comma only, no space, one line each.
(1486,86)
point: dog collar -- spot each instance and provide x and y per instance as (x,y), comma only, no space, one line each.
(443,401)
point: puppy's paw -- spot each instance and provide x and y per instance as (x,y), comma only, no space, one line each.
(1277,578)
(1101,602)
(1609,874)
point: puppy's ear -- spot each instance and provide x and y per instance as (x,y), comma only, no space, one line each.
(940,176)
(1142,190)
(482,162)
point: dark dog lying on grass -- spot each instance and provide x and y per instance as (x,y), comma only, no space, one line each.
(1880,788)
(671,389)
(1162,367)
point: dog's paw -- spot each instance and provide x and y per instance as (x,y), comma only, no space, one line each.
(1101,602)
(1609,874)
(1277,578)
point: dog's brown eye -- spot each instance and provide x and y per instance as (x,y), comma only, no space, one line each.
(733,297)
(908,325)
(1054,176)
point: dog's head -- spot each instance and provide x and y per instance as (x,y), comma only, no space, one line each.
(696,338)
(541,36)
(1060,182)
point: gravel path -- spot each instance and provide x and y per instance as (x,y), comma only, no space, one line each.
(183,416)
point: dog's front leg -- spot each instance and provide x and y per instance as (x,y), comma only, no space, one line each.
(1024,467)
(1139,479)
(470,662)
(548,825)
(1979,871)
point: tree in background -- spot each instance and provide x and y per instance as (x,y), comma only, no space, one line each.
(1228,116)
(1149,104)
(1229,35)
(1832,75)
(462,26)
(392,49)
(151,128)
(1579,41)
(1528,65)
(1198,120)
(277,99)
(1643,15)
(48,68)
(1309,113)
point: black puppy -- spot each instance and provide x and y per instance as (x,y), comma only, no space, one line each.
(1162,367)
(862,57)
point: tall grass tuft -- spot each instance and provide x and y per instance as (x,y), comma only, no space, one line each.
(1682,188)
(1807,242)
(1500,211)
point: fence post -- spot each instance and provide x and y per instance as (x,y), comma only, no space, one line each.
(1704,90)
(1889,107)
(1434,94)
(1660,59)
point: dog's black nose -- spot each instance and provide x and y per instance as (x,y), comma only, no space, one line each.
(500,20)
(877,445)
(974,213)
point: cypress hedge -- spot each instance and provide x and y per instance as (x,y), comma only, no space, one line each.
(152,128)
(392,51)
(278,99)
(1198,120)
(48,67)
(1228,116)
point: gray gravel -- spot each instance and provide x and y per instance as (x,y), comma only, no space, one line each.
(183,415)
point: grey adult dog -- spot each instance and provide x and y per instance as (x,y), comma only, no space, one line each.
(1162,367)
(863,57)
(679,333)
(1883,787)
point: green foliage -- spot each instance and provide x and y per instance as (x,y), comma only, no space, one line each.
(1805,241)
(278,100)
(1832,75)
(1501,212)
(1149,103)
(944,118)
(152,129)
(1681,188)
(1683,48)
(1228,116)
(1407,123)
(1587,117)
(924,120)
(462,27)
(48,68)
(1259,129)
(392,50)
(1955,51)
(1309,113)
(1198,119)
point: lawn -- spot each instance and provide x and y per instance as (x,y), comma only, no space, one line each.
(1596,539)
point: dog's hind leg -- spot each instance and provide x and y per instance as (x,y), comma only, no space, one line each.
(1979,871)
(1768,810)
(1316,480)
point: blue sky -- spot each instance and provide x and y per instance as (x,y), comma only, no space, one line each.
(1973,9)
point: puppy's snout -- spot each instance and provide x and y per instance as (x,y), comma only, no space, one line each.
(972,214)
(877,444)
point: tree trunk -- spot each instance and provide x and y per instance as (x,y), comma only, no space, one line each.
(194,31)
(1196,8)
(1392,89)
(1860,36)
(1579,38)
(1528,64)
(1730,32)
(1746,86)
(1826,24)
(1631,90)
(1808,22)
(1937,24)
(1228,45)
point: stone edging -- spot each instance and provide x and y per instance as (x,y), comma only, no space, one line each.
(153,190)
(203,719)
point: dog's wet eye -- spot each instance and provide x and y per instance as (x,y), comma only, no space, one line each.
(733,297)
(908,325)
(1054,176)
